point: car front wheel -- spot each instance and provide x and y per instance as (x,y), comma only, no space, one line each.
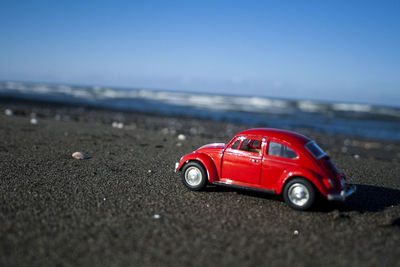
(299,194)
(194,176)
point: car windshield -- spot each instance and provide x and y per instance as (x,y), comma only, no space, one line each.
(315,150)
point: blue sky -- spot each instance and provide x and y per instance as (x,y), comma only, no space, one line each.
(319,50)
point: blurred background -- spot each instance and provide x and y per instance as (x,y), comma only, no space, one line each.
(332,66)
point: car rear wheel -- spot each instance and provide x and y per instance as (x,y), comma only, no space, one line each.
(194,176)
(299,194)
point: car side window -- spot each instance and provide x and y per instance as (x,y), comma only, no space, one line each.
(279,150)
(251,145)
(236,144)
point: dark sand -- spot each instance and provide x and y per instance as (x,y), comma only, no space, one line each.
(58,211)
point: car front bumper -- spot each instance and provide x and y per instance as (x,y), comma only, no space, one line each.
(176,166)
(347,191)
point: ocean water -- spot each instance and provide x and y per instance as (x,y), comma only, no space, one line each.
(352,119)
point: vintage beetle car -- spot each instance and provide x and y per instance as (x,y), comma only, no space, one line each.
(270,160)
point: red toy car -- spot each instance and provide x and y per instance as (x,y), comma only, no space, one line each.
(269,160)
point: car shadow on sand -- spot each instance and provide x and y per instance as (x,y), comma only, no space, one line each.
(367,198)
(244,192)
(370,198)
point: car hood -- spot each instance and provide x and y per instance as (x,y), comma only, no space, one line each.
(210,147)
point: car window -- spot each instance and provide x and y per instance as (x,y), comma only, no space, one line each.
(315,150)
(251,145)
(279,150)
(236,144)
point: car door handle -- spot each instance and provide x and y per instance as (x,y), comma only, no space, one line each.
(254,160)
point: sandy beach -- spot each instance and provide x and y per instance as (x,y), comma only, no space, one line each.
(125,205)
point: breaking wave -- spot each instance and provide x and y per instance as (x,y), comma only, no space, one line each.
(338,118)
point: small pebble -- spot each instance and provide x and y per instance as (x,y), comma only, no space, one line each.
(296,232)
(34,121)
(79,155)
(356,156)
(181,137)
(157,216)
(149,171)
(193,131)
(8,112)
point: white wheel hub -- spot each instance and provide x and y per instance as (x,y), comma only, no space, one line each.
(193,176)
(298,194)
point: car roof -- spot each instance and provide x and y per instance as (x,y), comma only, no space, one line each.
(286,135)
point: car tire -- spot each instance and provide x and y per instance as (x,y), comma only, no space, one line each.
(194,176)
(299,194)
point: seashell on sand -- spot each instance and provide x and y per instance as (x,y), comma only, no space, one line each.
(34,121)
(79,155)
(118,125)
(181,137)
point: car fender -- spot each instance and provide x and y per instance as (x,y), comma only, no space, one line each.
(205,160)
(307,174)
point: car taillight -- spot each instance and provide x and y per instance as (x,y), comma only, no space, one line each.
(328,183)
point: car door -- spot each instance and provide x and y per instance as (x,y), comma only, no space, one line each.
(279,158)
(242,161)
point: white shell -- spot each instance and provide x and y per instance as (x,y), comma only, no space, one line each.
(181,137)
(79,155)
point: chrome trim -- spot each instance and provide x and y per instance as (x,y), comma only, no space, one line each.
(321,156)
(176,166)
(193,176)
(342,182)
(298,194)
(346,192)
(242,187)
